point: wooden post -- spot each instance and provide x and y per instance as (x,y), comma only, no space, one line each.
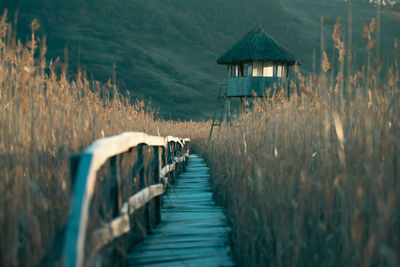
(178,154)
(169,160)
(228,109)
(157,169)
(150,204)
(164,158)
(173,159)
(181,154)
(142,181)
(140,164)
(116,185)
(74,239)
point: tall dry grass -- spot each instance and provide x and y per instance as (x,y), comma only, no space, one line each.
(44,118)
(314,180)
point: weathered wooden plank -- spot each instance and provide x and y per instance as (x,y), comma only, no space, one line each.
(182,244)
(105,148)
(140,199)
(175,140)
(121,225)
(167,169)
(109,232)
(247,86)
(185,256)
(180,159)
(84,186)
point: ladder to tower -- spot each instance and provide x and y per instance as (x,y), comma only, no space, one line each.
(225,114)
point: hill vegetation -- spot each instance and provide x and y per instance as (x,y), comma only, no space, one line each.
(166,51)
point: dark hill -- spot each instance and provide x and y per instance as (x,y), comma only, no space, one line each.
(166,50)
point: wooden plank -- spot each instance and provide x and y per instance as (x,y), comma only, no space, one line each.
(121,225)
(180,159)
(105,148)
(158,166)
(174,140)
(167,169)
(109,232)
(143,184)
(140,199)
(245,86)
(76,229)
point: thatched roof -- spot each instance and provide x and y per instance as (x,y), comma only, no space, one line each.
(257,45)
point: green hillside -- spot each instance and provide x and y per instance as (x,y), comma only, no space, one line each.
(165,50)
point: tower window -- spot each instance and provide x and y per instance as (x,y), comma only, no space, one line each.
(268,69)
(257,69)
(279,72)
(249,69)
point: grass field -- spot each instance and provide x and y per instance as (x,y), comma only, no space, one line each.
(308,181)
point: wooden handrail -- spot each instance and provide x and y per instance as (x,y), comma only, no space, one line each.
(120,225)
(91,160)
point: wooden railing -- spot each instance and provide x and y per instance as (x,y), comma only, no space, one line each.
(170,153)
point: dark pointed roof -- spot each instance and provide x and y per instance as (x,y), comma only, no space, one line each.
(257,45)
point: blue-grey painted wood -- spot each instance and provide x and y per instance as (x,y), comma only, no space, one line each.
(247,86)
(193,230)
(72,245)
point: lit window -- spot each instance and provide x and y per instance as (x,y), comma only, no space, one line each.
(257,69)
(279,72)
(233,71)
(268,70)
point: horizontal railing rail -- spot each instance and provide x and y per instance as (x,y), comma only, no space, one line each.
(168,152)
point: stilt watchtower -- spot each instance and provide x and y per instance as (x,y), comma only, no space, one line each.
(255,64)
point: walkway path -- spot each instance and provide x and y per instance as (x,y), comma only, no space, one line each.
(193,230)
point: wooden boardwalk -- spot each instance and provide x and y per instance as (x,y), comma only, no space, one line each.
(193,230)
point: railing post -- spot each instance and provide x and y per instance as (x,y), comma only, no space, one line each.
(182,154)
(179,155)
(74,244)
(116,185)
(168,160)
(157,170)
(173,159)
(140,163)
(143,184)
